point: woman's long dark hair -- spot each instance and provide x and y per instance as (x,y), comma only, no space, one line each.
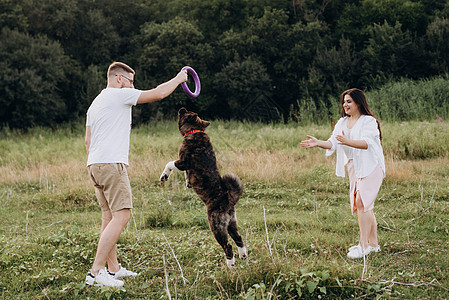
(358,96)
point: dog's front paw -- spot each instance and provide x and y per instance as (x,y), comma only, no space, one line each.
(230,263)
(167,171)
(165,175)
(243,253)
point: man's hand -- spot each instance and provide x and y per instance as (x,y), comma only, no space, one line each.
(182,76)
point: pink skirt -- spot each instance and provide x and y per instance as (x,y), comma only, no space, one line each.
(368,187)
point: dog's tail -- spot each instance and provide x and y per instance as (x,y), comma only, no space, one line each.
(234,186)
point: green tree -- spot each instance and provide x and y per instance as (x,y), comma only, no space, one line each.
(215,16)
(333,70)
(436,39)
(239,83)
(12,15)
(300,50)
(285,50)
(98,42)
(164,49)
(124,18)
(96,82)
(358,17)
(33,69)
(84,31)
(55,18)
(390,53)
(411,14)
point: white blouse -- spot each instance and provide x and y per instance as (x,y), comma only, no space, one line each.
(347,149)
(365,160)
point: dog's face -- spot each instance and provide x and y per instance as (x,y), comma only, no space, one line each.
(188,120)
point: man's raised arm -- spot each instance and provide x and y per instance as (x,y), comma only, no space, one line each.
(162,90)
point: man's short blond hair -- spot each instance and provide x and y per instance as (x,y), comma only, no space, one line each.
(117,67)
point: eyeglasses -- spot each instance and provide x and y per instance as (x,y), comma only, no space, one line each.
(130,80)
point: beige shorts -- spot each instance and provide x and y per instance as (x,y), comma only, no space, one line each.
(112,186)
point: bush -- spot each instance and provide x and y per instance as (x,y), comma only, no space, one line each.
(408,100)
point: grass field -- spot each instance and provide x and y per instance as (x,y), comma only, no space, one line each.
(294,217)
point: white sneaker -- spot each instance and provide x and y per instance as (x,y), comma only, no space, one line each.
(358,252)
(102,279)
(353,247)
(371,248)
(374,249)
(122,273)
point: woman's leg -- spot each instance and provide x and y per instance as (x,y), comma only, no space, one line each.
(372,237)
(365,220)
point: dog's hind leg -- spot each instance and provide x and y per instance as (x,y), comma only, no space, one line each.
(218,224)
(187,176)
(234,233)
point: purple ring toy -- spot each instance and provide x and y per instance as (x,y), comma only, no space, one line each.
(197,83)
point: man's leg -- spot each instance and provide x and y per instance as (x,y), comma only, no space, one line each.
(111,230)
(112,261)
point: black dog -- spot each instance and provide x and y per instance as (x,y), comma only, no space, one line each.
(219,194)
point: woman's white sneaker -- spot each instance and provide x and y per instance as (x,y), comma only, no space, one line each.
(358,252)
(122,272)
(353,247)
(374,249)
(102,279)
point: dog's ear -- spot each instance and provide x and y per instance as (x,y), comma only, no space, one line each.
(182,111)
(191,117)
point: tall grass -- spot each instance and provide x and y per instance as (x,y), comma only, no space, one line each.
(408,100)
(404,100)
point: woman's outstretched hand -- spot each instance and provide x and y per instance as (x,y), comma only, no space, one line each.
(310,143)
(342,138)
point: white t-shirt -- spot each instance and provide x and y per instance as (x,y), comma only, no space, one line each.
(109,118)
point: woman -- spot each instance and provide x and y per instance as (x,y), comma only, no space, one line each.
(356,140)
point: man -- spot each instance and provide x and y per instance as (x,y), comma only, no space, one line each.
(108,128)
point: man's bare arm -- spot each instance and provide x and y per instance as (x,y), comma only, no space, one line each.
(87,139)
(163,90)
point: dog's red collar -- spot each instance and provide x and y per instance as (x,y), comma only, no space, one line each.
(193,131)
